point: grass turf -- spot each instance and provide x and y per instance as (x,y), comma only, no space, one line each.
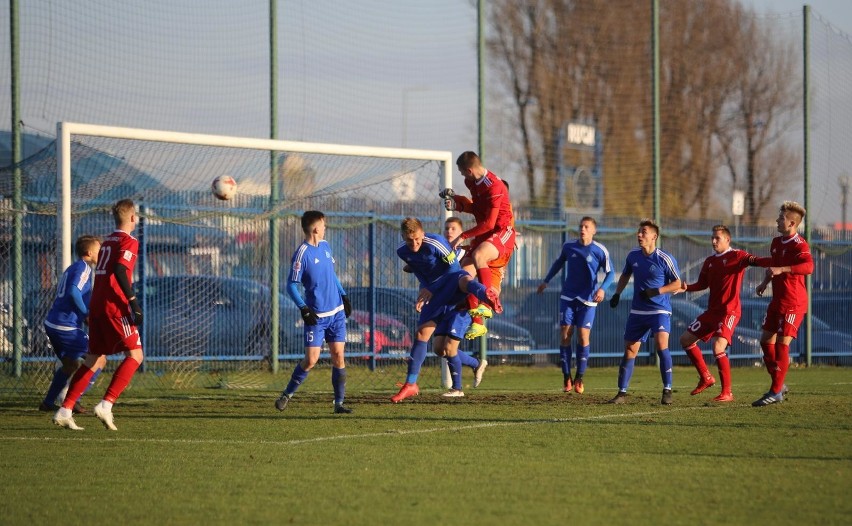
(515,451)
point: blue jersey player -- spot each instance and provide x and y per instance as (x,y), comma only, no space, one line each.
(64,322)
(655,276)
(443,284)
(583,258)
(324,309)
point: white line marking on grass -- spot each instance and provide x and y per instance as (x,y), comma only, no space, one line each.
(398,432)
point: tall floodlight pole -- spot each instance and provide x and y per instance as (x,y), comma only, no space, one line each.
(480,68)
(655,103)
(806,13)
(17,192)
(274,185)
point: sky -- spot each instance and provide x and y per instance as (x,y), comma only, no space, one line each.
(836,12)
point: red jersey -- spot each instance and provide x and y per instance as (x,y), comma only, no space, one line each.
(490,206)
(107,298)
(723,275)
(788,288)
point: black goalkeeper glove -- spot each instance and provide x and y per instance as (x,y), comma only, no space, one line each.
(136,310)
(613,301)
(347,307)
(309,315)
(650,293)
(446,193)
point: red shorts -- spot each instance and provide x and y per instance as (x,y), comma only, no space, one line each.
(783,322)
(713,324)
(503,240)
(112,336)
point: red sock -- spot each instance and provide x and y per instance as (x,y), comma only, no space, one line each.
(484,275)
(120,379)
(782,363)
(694,354)
(724,372)
(769,358)
(472,301)
(79,382)
(476,319)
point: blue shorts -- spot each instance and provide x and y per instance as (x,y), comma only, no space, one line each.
(68,344)
(639,325)
(575,312)
(330,329)
(453,324)
(445,293)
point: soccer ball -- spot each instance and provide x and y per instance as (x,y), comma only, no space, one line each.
(224,187)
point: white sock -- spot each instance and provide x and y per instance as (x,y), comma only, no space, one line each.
(106,405)
(63,412)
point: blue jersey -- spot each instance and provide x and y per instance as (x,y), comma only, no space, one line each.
(73,292)
(313,267)
(434,260)
(654,271)
(584,262)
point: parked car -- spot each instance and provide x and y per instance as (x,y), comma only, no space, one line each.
(220,316)
(749,329)
(213,316)
(392,336)
(539,313)
(399,302)
(7,337)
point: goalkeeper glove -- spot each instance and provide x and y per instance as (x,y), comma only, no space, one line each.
(136,310)
(449,205)
(309,316)
(446,193)
(613,301)
(650,293)
(347,307)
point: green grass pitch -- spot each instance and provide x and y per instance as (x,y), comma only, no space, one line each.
(515,451)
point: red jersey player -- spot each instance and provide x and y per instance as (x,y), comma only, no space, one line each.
(114,314)
(492,237)
(790,261)
(722,273)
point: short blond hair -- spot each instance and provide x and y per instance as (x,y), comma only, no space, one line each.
(122,211)
(792,207)
(410,225)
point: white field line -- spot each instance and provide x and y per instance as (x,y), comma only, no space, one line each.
(389,433)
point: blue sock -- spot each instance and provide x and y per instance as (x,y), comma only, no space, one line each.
(56,386)
(92,381)
(477,289)
(338,382)
(624,373)
(454,364)
(296,380)
(666,367)
(468,360)
(582,359)
(565,359)
(417,357)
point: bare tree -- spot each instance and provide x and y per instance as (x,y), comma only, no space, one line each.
(589,61)
(763,108)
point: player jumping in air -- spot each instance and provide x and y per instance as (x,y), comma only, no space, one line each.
(442,285)
(493,235)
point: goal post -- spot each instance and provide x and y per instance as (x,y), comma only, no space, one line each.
(169,174)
